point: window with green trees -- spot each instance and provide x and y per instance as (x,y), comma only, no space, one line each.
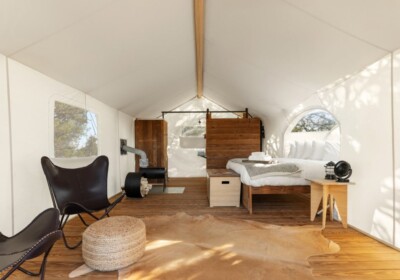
(315,121)
(75,131)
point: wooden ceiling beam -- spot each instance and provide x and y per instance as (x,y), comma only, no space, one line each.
(199,40)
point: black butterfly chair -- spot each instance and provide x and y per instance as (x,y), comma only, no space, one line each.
(79,190)
(36,239)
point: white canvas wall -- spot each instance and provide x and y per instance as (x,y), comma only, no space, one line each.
(274,127)
(396,138)
(362,105)
(31,97)
(5,159)
(126,131)
(108,141)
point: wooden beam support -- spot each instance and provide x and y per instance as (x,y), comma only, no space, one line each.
(199,40)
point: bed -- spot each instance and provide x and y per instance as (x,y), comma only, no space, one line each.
(277,183)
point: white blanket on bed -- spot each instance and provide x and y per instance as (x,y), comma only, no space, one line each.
(311,169)
(258,169)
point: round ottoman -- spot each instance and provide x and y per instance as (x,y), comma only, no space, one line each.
(113,243)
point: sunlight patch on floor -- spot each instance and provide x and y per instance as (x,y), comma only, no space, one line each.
(160,243)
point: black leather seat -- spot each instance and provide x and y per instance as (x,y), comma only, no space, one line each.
(34,240)
(79,190)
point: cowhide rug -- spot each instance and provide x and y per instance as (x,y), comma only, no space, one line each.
(207,247)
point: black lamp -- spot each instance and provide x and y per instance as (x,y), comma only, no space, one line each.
(329,171)
(342,171)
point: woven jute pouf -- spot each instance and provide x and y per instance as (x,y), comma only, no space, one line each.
(113,243)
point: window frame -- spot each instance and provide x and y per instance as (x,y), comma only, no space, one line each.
(78,101)
(294,120)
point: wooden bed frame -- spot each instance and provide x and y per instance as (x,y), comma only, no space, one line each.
(238,138)
(249,191)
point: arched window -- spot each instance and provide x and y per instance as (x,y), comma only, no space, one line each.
(315,121)
(316,125)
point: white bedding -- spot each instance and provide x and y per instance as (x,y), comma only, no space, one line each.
(311,169)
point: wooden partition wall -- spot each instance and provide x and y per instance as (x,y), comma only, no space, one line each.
(231,138)
(151,136)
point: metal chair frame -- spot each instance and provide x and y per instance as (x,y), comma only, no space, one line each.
(73,180)
(42,246)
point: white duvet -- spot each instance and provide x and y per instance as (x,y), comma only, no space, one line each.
(311,169)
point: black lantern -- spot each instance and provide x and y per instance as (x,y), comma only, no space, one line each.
(342,171)
(329,171)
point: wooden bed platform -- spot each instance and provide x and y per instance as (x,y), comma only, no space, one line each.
(249,191)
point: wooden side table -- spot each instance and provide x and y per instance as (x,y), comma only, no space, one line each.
(324,189)
(223,187)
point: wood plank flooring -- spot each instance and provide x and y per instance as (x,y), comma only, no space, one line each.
(360,257)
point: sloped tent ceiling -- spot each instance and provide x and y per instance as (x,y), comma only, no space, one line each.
(138,55)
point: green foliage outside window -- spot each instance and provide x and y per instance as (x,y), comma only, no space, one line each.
(315,121)
(75,131)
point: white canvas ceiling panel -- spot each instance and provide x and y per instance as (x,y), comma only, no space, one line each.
(163,104)
(173,71)
(279,39)
(23,23)
(252,80)
(114,42)
(132,52)
(151,108)
(375,21)
(222,92)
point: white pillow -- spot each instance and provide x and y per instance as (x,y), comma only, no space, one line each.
(318,149)
(299,149)
(307,150)
(292,151)
(331,151)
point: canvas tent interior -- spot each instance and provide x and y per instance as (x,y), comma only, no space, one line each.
(131,59)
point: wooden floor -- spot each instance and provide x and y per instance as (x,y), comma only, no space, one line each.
(360,257)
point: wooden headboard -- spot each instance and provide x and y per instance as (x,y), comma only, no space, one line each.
(231,138)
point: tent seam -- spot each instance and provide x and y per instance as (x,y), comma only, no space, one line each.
(11,149)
